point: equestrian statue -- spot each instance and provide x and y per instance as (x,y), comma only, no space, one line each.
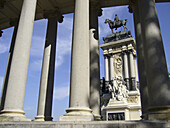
(116,23)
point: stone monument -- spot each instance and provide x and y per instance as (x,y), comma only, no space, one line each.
(120,97)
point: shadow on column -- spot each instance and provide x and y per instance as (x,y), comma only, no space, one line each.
(50,84)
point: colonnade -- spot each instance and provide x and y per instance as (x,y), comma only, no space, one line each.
(84,85)
(128,65)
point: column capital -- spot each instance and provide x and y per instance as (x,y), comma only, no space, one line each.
(124,48)
(53,14)
(130,46)
(95,5)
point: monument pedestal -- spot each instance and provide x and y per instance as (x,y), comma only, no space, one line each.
(117,110)
(127,109)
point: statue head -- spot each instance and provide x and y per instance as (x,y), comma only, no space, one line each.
(106,21)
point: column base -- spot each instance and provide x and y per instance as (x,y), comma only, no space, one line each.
(133,84)
(127,83)
(13,116)
(43,118)
(39,118)
(97,117)
(159,113)
(77,114)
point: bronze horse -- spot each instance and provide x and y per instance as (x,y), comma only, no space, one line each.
(116,24)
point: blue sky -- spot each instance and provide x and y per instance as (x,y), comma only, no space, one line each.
(63,55)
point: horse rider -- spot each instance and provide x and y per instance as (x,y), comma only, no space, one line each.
(116,18)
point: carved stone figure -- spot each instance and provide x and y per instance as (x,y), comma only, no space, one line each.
(116,18)
(116,23)
(118,64)
(118,89)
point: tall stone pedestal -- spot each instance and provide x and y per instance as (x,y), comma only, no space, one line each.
(127,109)
(124,101)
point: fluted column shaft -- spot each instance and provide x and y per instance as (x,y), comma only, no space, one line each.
(155,62)
(132,71)
(15,95)
(47,74)
(94,62)
(80,78)
(126,69)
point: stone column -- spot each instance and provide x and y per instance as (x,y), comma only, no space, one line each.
(156,67)
(80,79)
(95,11)
(6,77)
(47,74)
(132,71)
(136,72)
(126,69)
(111,67)
(14,101)
(106,68)
(141,62)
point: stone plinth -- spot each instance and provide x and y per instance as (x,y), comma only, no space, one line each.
(130,107)
(93,124)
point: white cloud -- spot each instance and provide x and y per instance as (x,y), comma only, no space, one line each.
(64,39)
(1,81)
(36,65)
(27,108)
(168,67)
(37,47)
(3,48)
(67,22)
(61,92)
(63,48)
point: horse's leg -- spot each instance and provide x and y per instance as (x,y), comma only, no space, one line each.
(124,27)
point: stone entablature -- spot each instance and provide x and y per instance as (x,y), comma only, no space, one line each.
(119,46)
